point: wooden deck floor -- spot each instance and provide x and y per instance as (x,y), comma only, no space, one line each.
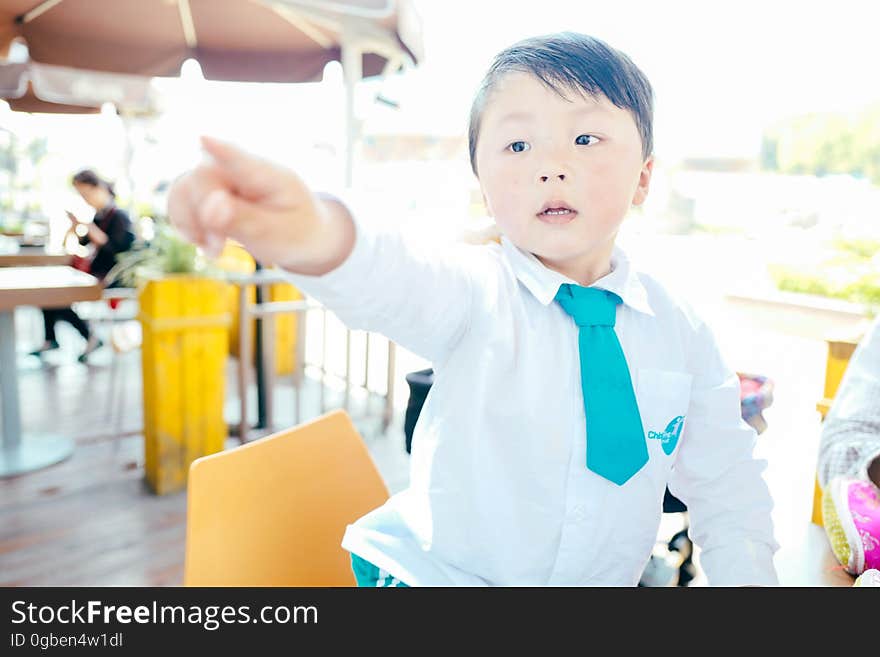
(91,520)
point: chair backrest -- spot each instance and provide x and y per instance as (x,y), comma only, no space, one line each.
(272,512)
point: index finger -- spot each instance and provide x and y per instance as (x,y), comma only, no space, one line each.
(250,176)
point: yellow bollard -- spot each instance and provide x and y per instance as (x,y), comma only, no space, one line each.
(817,503)
(236,259)
(285,328)
(185,322)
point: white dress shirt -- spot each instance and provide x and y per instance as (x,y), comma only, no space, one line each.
(499,490)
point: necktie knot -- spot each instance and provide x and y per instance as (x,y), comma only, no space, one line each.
(588,306)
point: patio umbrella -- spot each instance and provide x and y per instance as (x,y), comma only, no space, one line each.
(243,40)
(30,102)
(32,87)
(240,40)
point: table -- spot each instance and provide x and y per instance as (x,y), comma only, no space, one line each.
(29,256)
(811,563)
(44,287)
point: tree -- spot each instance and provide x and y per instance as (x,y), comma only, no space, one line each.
(825,143)
(12,152)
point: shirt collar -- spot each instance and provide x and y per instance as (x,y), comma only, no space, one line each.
(544,283)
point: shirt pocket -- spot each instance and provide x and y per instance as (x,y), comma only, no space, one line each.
(663,397)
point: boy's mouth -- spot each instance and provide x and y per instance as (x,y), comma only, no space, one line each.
(556,212)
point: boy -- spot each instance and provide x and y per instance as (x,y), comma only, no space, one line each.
(570,388)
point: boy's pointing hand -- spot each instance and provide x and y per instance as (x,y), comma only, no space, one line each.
(262,205)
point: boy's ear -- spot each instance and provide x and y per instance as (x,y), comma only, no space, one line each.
(644,181)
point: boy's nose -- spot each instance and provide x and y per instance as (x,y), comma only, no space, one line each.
(559,176)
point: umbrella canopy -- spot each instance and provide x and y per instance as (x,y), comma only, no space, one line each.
(32,87)
(31,102)
(46,89)
(242,40)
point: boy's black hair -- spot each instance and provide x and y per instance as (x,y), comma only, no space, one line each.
(569,61)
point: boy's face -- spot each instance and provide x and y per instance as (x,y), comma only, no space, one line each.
(581,159)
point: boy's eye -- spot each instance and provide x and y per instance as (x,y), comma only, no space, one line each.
(586,140)
(519,146)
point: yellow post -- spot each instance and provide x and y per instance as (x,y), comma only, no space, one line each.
(817,503)
(839,353)
(185,321)
(285,328)
(235,258)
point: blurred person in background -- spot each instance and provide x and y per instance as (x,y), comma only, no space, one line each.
(109,233)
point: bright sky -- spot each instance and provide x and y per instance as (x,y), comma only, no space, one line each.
(722,72)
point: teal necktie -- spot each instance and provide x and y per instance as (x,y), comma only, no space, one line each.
(616,446)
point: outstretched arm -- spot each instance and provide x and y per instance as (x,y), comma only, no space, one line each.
(371,279)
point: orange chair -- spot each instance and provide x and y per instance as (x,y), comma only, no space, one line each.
(272,512)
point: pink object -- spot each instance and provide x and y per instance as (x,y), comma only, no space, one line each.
(858,507)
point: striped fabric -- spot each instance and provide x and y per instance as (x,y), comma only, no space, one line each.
(367,574)
(851,432)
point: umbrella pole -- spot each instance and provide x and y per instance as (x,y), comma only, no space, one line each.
(259,365)
(352,72)
(129,158)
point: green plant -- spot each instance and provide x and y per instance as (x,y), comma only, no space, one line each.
(849,272)
(167,253)
(848,282)
(147,209)
(826,143)
(863,248)
(12,225)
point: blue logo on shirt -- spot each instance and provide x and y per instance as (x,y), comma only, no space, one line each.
(669,438)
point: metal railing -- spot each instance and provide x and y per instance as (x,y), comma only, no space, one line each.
(265,312)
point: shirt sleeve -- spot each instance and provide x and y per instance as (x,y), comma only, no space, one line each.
(419,297)
(717,476)
(851,432)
